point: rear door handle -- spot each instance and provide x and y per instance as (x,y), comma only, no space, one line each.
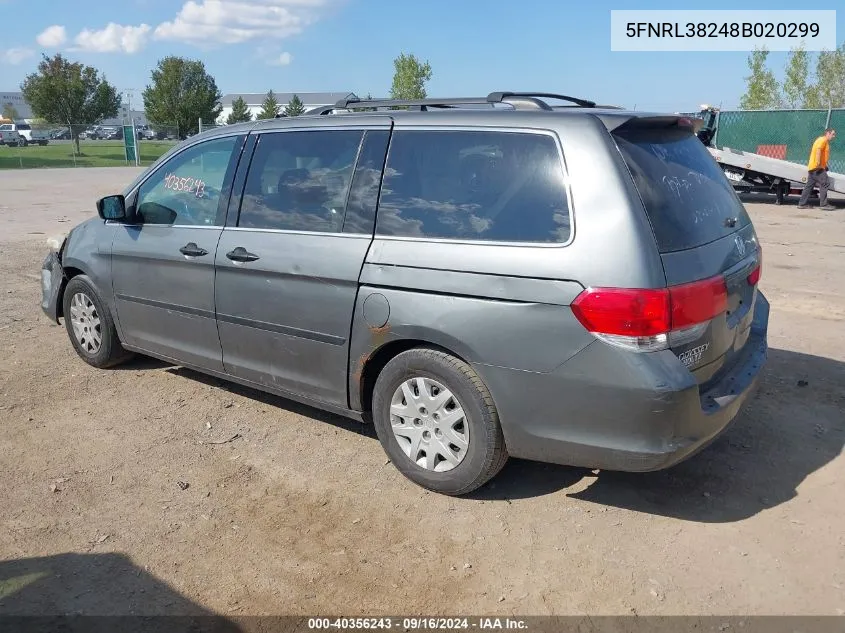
(240,254)
(192,250)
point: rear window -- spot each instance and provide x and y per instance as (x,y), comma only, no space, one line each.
(474,185)
(687,197)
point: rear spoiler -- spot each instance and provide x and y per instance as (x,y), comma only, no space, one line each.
(655,121)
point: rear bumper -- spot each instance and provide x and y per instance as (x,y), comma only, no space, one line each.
(52,277)
(614,410)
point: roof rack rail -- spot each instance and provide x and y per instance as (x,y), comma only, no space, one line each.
(598,106)
(505,97)
(411,104)
(518,100)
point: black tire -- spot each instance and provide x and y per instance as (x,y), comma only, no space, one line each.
(486,453)
(110,352)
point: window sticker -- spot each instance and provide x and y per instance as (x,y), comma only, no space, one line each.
(186,184)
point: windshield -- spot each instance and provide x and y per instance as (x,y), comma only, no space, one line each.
(687,197)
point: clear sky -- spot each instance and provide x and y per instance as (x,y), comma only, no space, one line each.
(474,46)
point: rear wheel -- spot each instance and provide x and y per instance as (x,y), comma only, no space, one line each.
(90,326)
(437,422)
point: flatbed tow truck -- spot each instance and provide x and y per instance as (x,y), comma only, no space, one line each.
(750,172)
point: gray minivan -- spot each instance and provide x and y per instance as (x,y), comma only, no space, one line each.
(480,278)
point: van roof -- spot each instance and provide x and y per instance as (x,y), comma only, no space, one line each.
(520,108)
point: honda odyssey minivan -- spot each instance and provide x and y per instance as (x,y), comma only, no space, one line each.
(480,278)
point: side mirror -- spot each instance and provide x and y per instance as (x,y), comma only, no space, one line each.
(112,207)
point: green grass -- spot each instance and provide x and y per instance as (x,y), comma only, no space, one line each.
(92,154)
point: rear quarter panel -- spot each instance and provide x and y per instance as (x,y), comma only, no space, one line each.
(507,305)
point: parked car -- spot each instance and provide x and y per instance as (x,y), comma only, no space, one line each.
(27,134)
(39,137)
(11,137)
(576,285)
(23,130)
(110,133)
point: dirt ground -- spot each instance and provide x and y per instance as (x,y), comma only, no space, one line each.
(301,515)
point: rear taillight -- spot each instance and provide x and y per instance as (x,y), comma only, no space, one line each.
(698,302)
(651,319)
(754,276)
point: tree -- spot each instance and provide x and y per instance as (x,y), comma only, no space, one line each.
(10,112)
(67,92)
(796,83)
(181,94)
(270,108)
(409,78)
(294,107)
(240,112)
(762,90)
(829,88)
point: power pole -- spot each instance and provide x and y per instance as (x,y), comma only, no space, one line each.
(128,92)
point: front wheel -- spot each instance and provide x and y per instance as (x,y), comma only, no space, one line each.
(437,422)
(90,326)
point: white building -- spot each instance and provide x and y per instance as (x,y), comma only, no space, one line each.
(16,100)
(254,100)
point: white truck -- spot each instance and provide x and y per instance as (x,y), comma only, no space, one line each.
(10,137)
(28,136)
(750,172)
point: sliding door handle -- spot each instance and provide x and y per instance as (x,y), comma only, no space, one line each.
(192,250)
(240,254)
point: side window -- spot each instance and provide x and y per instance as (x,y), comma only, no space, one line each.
(363,196)
(186,190)
(299,181)
(467,185)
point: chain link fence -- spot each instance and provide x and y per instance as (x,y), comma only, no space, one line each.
(81,145)
(205,126)
(784,134)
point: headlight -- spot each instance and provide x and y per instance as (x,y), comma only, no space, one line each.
(55,242)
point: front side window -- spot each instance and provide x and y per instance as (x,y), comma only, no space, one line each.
(299,181)
(186,190)
(474,185)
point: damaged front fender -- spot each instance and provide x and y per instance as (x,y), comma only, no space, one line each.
(52,278)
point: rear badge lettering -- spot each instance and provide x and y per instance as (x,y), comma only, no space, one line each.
(693,356)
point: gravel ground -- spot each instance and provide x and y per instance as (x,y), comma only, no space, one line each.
(301,515)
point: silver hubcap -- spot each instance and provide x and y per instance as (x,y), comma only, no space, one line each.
(85,322)
(429,424)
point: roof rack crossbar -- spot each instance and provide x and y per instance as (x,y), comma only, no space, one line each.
(504,97)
